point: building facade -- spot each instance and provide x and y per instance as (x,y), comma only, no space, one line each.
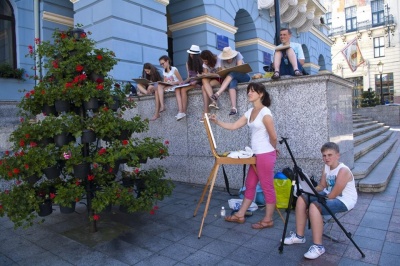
(141,31)
(372,24)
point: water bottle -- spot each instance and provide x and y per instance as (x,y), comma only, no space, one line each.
(223,213)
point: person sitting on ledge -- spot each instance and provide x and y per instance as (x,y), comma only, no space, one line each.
(288,57)
(337,185)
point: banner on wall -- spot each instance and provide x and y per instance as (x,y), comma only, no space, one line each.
(352,54)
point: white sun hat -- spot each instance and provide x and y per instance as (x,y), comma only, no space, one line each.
(194,49)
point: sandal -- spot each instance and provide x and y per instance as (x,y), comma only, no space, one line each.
(214,105)
(297,72)
(276,75)
(235,219)
(233,111)
(262,224)
(215,96)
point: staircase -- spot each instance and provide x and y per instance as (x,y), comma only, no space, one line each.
(376,153)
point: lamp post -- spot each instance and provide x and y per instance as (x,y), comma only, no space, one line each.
(380,69)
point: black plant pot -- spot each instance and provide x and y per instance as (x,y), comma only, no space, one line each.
(107,209)
(122,161)
(123,209)
(52,172)
(33,179)
(115,105)
(142,160)
(125,134)
(62,106)
(92,104)
(88,136)
(140,186)
(45,142)
(76,33)
(49,110)
(45,208)
(95,77)
(128,182)
(68,209)
(81,170)
(115,169)
(62,139)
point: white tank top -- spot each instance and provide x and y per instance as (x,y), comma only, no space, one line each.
(349,193)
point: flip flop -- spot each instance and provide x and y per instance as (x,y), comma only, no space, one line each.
(235,219)
(262,224)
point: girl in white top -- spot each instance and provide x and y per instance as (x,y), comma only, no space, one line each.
(172,76)
(263,143)
(211,64)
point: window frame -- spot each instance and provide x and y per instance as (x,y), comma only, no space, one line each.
(12,38)
(377,13)
(379,49)
(351,18)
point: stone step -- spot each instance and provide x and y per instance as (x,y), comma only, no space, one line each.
(363,123)
(367,136)
(377,150)
(371,144)
(378,179)
(361,119)
(363,130)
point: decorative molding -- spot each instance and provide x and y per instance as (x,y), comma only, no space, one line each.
(205,19)
(63,20)
(312,65)
(74,1)
(265,4)
(163,2)
(321,36)
(257,41)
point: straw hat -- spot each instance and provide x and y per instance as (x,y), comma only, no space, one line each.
(227,53)
(194,49)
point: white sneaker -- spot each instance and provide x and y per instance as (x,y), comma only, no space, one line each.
(314,252)
(293,239)
(180,116)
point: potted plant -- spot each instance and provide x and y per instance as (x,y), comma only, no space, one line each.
(76,164)
(7,71)
(68,193)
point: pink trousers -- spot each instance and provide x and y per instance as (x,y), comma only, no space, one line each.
(265,163)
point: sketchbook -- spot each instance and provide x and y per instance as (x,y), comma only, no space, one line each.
(143,81)
(245,68)
(208,75)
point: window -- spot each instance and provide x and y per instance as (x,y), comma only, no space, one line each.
(357,90)
(377,13)
(328,17)
(387,87)
(379,47)
(7,34)
(351,18)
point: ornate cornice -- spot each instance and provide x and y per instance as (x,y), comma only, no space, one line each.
(203,20)
(63,20)
(257,41)
(74,1)
(312,65)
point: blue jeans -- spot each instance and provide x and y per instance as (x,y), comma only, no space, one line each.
(335,205)
(237,77)
(286,67)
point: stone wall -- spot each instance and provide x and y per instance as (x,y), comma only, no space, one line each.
(309,110)
(390,115)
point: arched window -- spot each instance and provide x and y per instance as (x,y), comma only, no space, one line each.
(7,34)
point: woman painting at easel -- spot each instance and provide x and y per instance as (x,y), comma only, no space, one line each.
(263,143)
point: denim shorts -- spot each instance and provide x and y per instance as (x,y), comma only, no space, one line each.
(335,205)
(237,77)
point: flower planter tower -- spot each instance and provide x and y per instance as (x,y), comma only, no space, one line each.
(72,139)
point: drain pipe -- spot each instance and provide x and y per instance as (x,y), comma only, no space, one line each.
(36,15)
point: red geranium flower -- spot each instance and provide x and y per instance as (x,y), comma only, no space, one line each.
(16,171)
(55,64)
(100,87)
(125,142)
(37,40)
(77,182)
(162,151)
(83,35)
(33,144)
(27,95)
(96,217)
(69,85)
(63,35)
(137,170)
(99,57)
(102,151)
(26,166)
(7,152)
(166,142)
(52,195)
(90,177)
(77,199)
(21,143)
(110,170)
(18,182)
(156,207)
(79,68)
(152,212)
(10,174)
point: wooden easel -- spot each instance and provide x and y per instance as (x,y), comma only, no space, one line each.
(214,171)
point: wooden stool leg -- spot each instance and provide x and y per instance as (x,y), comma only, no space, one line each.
(204,190)
(214,175)
(280,214)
